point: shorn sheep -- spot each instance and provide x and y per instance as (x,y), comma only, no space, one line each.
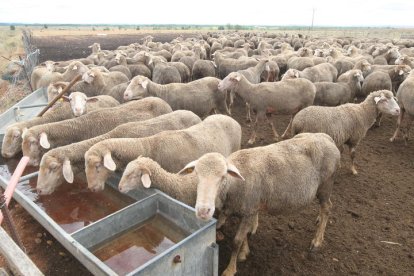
(200,96)
(39,139)
(249,179)
(67,163)
(348,123)
(284,97)
(172,149)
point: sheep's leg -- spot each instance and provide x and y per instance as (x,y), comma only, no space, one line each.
(352,150)
(259,116)
(325,209)
(255,224)
(241,235)
(398,129)
(289,128)
(409,121)
(231,100)
(244,251)
(221,220)
(248,116)
(269,120)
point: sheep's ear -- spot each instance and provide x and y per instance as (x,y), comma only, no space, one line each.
(215,65)
(189,168)
(66,98)
(150,61)
(401,72)
(43,141)
(92,99)
(67,171)
(109,162)
(24,132)
(75,67)
(146,180)
(379,99)
(144,84)
(60,89)
(238,77)
(233,171)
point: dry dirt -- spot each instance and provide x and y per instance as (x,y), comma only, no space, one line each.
(369,210)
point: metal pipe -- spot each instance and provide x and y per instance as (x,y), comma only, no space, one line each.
(30,106)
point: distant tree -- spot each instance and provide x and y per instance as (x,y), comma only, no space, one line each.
(106,29)
(119,27)
(138,28)
(93,29)
(221,28)
(12,27)
(45,26)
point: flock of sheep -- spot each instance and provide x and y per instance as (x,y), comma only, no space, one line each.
(138,109)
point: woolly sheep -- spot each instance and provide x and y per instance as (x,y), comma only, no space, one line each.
(78,102)
(12,141)
(317,73)
(348,123)
(203,68)
(227,65)
(200,96)
(218,133)
(67,162)
(44,68)
(74,69)
(405,96)
(39,139)
(284,97)
(266,176)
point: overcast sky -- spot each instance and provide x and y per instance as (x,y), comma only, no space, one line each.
(256,12)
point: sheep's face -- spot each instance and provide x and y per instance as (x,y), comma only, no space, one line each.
(131,178)
(229,82)
(50,65)
(50,175)
(393,53)
(12,142)
(211,170)
(291,74)
(88,77)
(96,172)
(78,103)
(137,89)
(400,60)
(358,76)
(31,147)
(386,103)
(52,91)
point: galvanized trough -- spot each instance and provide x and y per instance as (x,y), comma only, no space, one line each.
(149,233)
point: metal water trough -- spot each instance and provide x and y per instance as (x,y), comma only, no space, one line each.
(198,252)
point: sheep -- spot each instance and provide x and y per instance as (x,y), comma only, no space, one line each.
(164,73)
(300,63)
(271,72)
(333,94)
(227,65)
(203,68)
(148,172)
(217,133)
(39,139)
(117,92)
(12,141)
(139,69)
(96,82)
(284,97)
(249,179)
(317,73)
(67,162)
(378,80)
(54,89)
(200,96)
(348,123)
(74,69)
(405,95)
(403,59)
(96,47)
(78,102)
(46,67)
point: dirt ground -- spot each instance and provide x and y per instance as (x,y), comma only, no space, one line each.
(370,230)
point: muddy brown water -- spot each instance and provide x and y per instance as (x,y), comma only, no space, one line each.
(133,248)
(72,206)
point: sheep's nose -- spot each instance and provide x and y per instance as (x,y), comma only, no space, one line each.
(203,212)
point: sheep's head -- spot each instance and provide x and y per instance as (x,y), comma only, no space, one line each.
(402,70)
(34,146)
(96,47)
(78,102)
(291,74)
(52,173)
(77,67)
(135,174)
(137,88)
(50,65)
(89,76)
(386,102)
(98,168)
(358,76)
(394,53)
(230,82)
(12,142)
(211,170)
(54,89)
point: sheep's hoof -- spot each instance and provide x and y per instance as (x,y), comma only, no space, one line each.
(354,171)
(315,245)
(242,256)
(392,139)
(228,272)
(251,141)
(318,220)
(219,236)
